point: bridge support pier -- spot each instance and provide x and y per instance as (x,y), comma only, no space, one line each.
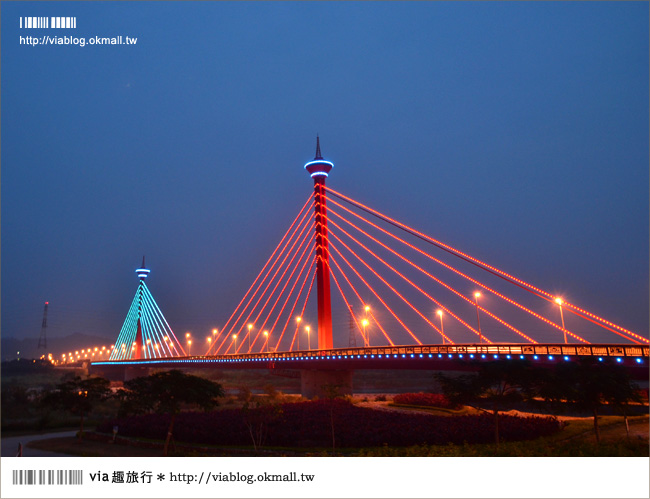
(325,384)
(132,372)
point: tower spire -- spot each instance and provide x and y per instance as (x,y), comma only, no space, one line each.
(318,154)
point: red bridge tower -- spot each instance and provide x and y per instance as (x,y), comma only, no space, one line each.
(319,170)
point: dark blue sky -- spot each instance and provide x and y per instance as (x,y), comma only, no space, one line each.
(517,132)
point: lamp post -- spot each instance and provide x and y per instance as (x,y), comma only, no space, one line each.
(480,336)
(364,323)
(308,341)
(266,343)
(442,329)
(250,326)
(189,347)
(234,337)
(298,319)
(559,302)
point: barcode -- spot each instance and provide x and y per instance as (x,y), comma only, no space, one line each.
(48,22)
(47,477)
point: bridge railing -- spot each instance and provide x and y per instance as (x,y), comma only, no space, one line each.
(609,350)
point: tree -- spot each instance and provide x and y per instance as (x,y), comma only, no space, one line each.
(258,413)
(78,396)
(497,385)
(167,393)
(589,384)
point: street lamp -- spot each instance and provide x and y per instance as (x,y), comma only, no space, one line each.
(250,326)
(476,297)
(559,302)
(189,347)
(364,323)
(442,330)
(234,337)
(266,343)
(298,319)
(308,341)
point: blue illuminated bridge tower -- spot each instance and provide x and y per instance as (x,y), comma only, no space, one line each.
(145,333)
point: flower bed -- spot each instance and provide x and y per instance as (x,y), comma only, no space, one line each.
(424,399)
(307,424)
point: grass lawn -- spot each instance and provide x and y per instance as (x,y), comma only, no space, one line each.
(575,440)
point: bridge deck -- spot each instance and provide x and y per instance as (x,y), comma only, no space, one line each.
(444,357)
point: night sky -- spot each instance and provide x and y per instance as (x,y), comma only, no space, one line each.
(517,132)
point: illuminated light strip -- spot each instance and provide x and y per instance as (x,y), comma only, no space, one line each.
(172,336)
(302,312)
(375,293)
(308,202)
(157,327)
(291,232)
(319,161)
(347,304)
(148,326)
(579,312)
(493,270)
(300,258)
(423,271)
(280,266)
(304,265)
(128,321)
(259,286)
(478,283)
(304,223)
(259,331)
(166,345)
(316,174)
(391,288)
(386,282)
(361,300)
(296,300)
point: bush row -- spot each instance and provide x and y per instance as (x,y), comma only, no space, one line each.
(308,424)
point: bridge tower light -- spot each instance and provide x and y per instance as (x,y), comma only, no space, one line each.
(319,169)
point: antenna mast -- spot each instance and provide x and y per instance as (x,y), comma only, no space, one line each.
(42,339)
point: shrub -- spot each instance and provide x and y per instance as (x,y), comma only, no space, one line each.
(424,399)
(307,424)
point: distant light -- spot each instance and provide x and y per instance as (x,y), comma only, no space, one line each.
(550,357)
(600,359)
(477,295)
(439,312)
(535,357)
(639,361)
(566,358)
(619,360)
(558,301)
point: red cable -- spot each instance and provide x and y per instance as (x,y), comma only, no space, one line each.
(456,271)
(386,282)
(474,261)
(304,305)
(261,271)
(361,300)
(297,298)
(264,279)
(306,238)
(423,271)
(307,247)
(371,289)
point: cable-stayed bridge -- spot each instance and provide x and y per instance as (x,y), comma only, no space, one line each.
(401,299)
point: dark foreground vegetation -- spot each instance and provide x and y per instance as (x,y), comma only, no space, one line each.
(309,424)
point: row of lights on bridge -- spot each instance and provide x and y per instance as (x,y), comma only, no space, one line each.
(90,353)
